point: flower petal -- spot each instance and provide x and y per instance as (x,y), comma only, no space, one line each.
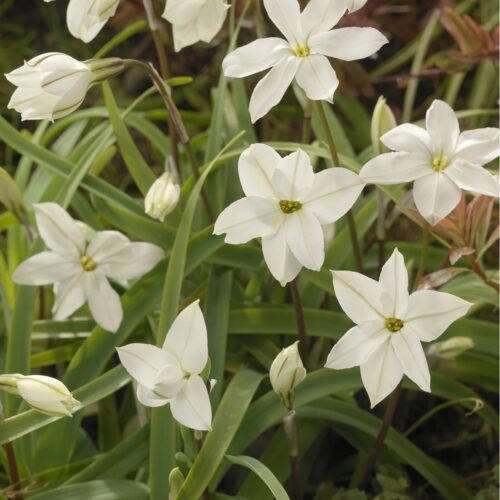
(184,35)
(347,44)
(394,281)
(473,178)
(254,57)
(430,313)
(80,23)
(381,373)
(248,218)
(279,258)
(210,19)
(409,351)
(435,196)
(149,398)
(69,296)
(104,302)
(293,175)
(58,229)
(321,15)
(256,166)
(270,90)
(442,125)
(479,146)
(285,14)
(187,339)
(143,362)
(305,239)
(317,77)
(191,407)
(395,168)
(333,193)
(356,346)
(409,138)
(359,296)
(45,268)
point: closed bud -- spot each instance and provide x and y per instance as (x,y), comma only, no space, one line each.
(10,195)
(162,197)
(287,371)
(176,480)
(382,121)
(451,348)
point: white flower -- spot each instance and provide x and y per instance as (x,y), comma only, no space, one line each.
(44,394)
(80,269)
(441,160)
(287,205)
(303,54)
(172,374)
(162,197)
(194,20)
(354,5)
(390,325)
(286,372)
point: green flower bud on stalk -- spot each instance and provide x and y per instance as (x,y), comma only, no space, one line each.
(162,197)
(382,121)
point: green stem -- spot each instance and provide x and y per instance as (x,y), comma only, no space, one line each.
(301,325)
(290,428)
(423,255)
(329,136)
(306,124)
(380,229)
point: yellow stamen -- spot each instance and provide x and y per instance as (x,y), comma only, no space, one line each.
(393,324)
(302,51)
(289,207)
(87,263)
(439,163)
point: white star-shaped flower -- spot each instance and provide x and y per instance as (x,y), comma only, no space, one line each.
(288,206)
(79,266)
(303,54)
(172,374)
(390,326)
(441,160)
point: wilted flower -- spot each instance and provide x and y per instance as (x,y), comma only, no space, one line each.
(53,85)
(44,394)
(440,160)
(287,205)
(390,325)
(195,20)
(286,372)
(303,54)
(162,197)
(450,348)
(80,269)
(172,374)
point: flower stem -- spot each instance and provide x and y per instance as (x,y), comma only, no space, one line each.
(351,223)
(290,428)
(301,324)
(306,124)
(13,471)
(476,267)
(423,255)
(380,229)
(198,437)
(379,441)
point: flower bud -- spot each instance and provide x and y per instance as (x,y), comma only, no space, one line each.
(10,195)
(176,480)
(382,121)
(162,196)
(451,348)
(286,372)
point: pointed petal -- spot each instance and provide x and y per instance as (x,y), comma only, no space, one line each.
(45,268)
(472,178)
(270,90)
(58,229)
(394,280)
(184,35)
(409,138)
(296,175)
(347,44)
(357,345)
(381,373)
(104,302)
(149,398)
(279,258)
(435,196)
(248,218)
(333,193)
(182,11)
(409,351)
(143,362)
(191,407)
(317,77)
(443,128)
(69,296)
(359,296)
(210,19)
(285,14)
(321,15)
(305,239)
(80,23)
(255,57)
(395,168)
(256,166)
(187,339)
(479,146)
(430,313)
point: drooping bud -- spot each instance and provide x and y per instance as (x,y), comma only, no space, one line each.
(286,372)
(451,348)
(383,120)
(162,197)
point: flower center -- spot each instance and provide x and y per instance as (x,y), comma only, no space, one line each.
(439,163)
(393,324)
(87,263)
(302,51)
(288,207)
